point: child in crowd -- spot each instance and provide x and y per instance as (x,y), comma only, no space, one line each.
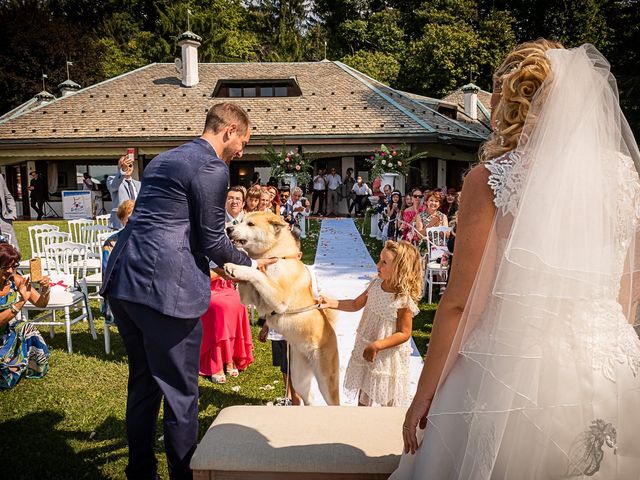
(253,199)
(378,371)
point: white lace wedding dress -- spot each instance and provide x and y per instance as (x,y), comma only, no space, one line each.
(547,390)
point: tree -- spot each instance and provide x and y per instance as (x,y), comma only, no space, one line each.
(279,25)
(33,42)
(381,66)
(458,43)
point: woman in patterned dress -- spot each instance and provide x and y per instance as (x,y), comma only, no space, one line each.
(23,352)
(431,216)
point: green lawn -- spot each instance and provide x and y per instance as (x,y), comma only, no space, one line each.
(70,424)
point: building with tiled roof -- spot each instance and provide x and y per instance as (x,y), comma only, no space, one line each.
(329,110)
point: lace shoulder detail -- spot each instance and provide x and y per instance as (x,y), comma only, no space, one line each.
(505,179)
(404,301)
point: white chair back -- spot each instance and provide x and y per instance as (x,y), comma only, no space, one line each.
(89,237)
(69,258)
(44,239)
(36,248)
(437,238)
(75,227)
(103,219)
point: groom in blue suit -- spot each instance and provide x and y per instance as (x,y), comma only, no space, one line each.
(157,285)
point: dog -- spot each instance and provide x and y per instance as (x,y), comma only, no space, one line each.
(280,293)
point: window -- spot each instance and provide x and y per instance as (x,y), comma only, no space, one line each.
(233,88)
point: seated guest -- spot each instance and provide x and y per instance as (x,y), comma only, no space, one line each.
(286,207)
(234,212)
(226,334)
(266,201)
(450,205)
(253,199)
(431,216)
(23,352)
(284,193)
(408,215)
(124,212)
(275,198)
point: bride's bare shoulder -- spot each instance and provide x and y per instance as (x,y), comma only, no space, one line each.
(476,184)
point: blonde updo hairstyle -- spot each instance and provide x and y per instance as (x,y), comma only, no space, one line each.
(407,269)
(518,80)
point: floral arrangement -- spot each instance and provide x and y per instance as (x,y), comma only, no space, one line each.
(391,160)
(285,162)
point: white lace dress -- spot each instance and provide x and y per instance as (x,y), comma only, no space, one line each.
(573,385)
(385,381)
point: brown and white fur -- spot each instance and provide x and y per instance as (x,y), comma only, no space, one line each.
(286,286)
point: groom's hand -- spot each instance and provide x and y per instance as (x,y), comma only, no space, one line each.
(263,263)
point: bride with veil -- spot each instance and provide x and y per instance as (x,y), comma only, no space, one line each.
(533,368)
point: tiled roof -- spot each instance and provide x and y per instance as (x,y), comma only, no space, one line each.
(149,102)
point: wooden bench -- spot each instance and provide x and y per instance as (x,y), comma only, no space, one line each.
(300,443)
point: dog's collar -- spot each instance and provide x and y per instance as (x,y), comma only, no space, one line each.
(289,257)
(315,306)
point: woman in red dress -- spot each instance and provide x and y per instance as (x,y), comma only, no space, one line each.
(226,334)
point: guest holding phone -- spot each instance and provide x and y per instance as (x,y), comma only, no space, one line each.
(23,352)
(122,187)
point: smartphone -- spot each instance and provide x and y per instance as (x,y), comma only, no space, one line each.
(303,202)
(131,152)
(35,270)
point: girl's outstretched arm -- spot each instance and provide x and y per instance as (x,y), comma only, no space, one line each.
(352,305)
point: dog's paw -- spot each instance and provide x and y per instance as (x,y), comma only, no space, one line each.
(238,272)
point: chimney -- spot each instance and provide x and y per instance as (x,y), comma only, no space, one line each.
(471,100)
(68,87)
(188,65)
(44,97)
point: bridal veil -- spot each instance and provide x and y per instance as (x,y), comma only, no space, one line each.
(543,380)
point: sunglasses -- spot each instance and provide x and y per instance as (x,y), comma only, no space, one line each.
(417,196)
(7,267)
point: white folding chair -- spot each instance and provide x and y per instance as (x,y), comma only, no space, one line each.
(435,272)
(75,227)
(36,247)
(95,280)
(89,236)
(67,263)
(44,239)
(103,219)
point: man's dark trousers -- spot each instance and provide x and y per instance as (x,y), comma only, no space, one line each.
(164,356)
(38,205)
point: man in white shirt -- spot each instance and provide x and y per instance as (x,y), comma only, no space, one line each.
(333,183)
(362,192)
(319,192)
(234,205)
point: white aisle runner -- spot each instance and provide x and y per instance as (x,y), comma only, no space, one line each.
(344,268)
